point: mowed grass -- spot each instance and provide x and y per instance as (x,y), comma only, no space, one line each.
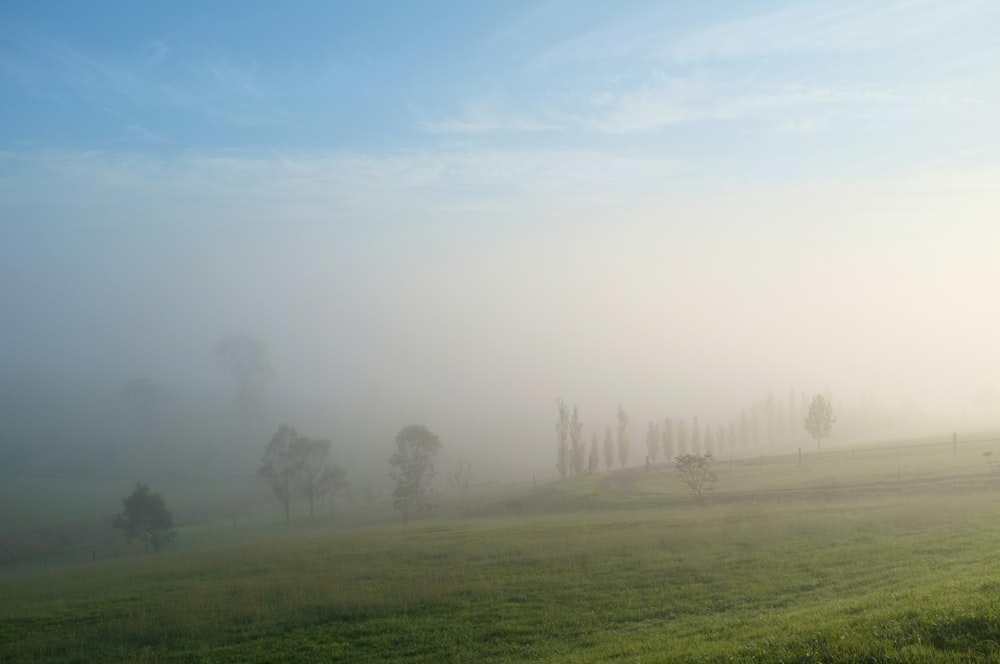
(766,570)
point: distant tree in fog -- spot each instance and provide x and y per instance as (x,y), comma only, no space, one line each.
(744,428)
(562,438)
(145,517)
(755,425)
(709,440)
(609,449)
(667,439)
(696,472)
(820,419)
(695,436)
(653,441)
(412,465)
(577,449)
(278,466)
(461,480)
(594,458)
(297,465)
(623,441)
(245,359)
(312,476)
(720,438)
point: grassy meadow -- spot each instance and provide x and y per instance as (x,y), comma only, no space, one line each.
(865,555)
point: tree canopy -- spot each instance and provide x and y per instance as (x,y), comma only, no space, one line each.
(145,517)
(412,465)
(820,418)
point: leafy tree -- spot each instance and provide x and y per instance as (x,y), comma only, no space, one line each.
(145,517)
(461,480)
(594,458)
(245,359)
(696,472)
(820,419)
(609,449)
(412,466)
(278,466)
(312,477)
(653,441)
(562,438)
(577,450)
(623,437)
(667,439)
(297,465)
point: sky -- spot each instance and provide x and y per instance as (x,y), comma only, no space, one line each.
(482,207)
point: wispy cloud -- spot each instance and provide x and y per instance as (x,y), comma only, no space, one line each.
(665,101)
(159,52)
(125,87)
(828,25)
(819,25)
(489,114)
(644,73)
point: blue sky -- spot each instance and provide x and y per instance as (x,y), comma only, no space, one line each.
(622,190)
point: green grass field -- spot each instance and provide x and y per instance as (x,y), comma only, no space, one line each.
(886,555)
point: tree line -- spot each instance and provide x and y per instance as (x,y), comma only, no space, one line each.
(764,422)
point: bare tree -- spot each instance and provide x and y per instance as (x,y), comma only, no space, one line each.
(696,472)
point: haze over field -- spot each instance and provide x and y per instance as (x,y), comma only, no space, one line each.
(454,213)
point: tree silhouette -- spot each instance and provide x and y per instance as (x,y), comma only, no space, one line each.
(412,466)
(820,419)
(145,517)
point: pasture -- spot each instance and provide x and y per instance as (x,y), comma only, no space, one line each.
(865,555)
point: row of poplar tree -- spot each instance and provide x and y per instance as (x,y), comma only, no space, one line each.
(769,421)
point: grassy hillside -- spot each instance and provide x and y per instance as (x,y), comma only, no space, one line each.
(870,556)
